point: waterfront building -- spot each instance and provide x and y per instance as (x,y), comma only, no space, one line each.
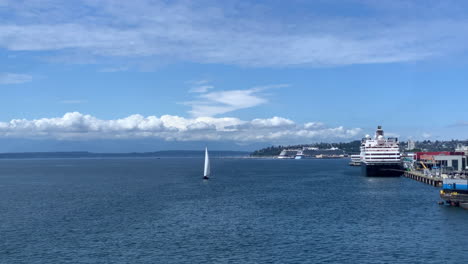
(452,162)
(446,160)
(410,145)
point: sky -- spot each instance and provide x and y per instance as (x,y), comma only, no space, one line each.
(144,75)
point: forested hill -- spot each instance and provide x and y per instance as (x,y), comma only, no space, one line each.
(353,147)
(350,147)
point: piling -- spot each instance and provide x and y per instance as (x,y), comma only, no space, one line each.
(434,181)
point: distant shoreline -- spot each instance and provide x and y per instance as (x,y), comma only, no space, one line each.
(156,154)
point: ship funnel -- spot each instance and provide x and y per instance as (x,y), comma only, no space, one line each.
(379,132)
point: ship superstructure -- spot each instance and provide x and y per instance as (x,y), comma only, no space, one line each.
(355,160)
(380,156)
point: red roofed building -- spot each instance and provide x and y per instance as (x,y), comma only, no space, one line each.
(430,155)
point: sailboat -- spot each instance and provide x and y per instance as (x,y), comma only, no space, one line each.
(206,172)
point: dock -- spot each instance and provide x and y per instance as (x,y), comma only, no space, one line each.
(434,181)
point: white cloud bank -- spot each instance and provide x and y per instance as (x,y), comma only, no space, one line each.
(213,33)
(77,126)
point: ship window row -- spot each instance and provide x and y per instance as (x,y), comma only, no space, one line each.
(379,146)
(382,154)
(380,149)
(378,157)
(377,150)
(382,159)
(398,158)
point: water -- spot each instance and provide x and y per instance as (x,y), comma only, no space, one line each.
(251,211)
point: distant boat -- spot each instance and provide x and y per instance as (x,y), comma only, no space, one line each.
(355,160)
(207,172)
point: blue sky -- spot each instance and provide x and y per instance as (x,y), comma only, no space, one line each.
(96,75)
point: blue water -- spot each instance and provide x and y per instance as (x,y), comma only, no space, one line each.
(251,211)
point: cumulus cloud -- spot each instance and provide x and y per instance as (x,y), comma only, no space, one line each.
(426,135)
(74,125)
(213,33)
(313,125)
(13,78)
(272,122)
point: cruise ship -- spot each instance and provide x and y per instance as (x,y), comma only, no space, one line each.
(380,156)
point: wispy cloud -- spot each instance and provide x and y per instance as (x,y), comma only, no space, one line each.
(221,102)
(13,78)
(201,89)
(200,86)
(216,103)
(72,101)
(199,82)
(459,124)
(114,69)
(186,31)
(75,125)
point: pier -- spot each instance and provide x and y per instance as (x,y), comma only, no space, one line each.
(434,181)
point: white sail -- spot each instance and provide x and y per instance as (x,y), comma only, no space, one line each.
(206,173)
